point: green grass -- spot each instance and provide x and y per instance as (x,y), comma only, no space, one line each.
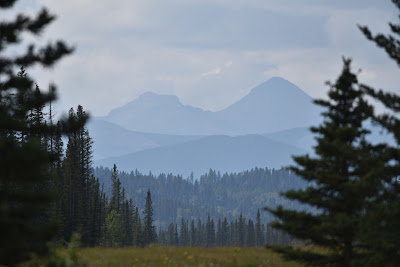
(182,256)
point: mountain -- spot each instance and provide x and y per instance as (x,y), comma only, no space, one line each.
(219,152)
(111,140)
(274,105)
(163,114)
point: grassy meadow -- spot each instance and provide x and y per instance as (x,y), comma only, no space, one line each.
(182,256)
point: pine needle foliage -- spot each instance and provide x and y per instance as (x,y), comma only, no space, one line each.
(381,228)
(24,161)
(341,177)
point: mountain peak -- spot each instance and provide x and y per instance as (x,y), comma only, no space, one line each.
(150,96)
(279,87)
(277,79)
(146,101)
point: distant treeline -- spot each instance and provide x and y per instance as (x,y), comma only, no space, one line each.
(215,194)
(241,232)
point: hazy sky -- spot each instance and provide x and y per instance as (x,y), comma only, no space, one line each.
(209,53)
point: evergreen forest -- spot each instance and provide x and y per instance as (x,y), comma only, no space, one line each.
(214,194)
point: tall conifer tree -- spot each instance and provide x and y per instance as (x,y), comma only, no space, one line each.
(258,231)
(149,232)
(116,194)
(341,176)
(381,227)
(21,202)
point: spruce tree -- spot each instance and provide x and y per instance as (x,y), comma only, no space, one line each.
(212,233)
(129,224)
(241,230)
(137,230)
(224,232)
(250,234)
(77,177)
(21,202)
(116,194)
(200,233)
(258,231)
(341,177)
(381,221)
(176,237)
(192,234)
(149,233)
(113,232)
(218,235)
(170,235)
(183,238)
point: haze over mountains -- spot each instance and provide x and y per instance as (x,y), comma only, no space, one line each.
(271,106)
(218,152)
(158,133)
(113,140)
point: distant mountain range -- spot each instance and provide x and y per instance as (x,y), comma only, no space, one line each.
(158,133)
(272,106)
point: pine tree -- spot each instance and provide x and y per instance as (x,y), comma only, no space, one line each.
(183,238)
(149,233)
(263,234)
(381,221)
(192,234)
(162,237)
(58,150)
(200,234)
(241,228)
(218,235)
(56,180)
(21,201)
(129,224)
(250,234)
(113,230)
(258,231)
(224,232)
(36,119)
(176,236)
(77,177)
(102,215)
(115,200)
(170,235)
(235,233)
(138,230)
(342,177)
(212,233)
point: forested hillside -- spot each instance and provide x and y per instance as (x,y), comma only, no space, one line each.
(220,195)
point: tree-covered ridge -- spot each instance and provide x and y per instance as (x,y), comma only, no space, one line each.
(214,194)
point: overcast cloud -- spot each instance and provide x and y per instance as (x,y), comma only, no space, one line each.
(209,53)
